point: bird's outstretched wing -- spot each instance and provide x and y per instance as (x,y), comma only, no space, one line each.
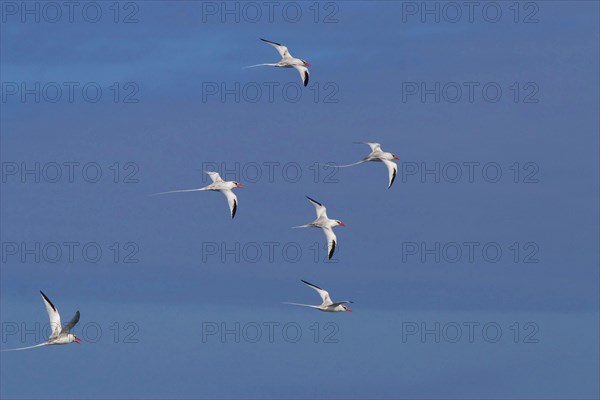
(231,200)
(67,328)
(320,208)
(373,146)
(53,315)
(331,242)
(392,171)
(322,292)
(214,176)
(304,75)
(281,49)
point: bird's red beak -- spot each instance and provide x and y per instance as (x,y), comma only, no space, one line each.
(77,340)
(239,185)
(396,157)
(307,64)
(342,224)
(349,310)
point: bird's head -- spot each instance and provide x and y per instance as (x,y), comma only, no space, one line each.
(306,63)
(340,223)
(76,339)
(346,308)
(238,185)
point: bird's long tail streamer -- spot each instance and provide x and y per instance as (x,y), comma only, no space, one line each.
(259,65)
(304,305)
(176,191)
(25,348)
(302,226)
(343,166)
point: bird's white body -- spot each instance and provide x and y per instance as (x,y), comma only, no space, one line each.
(218,185)
(378,155)
(63,339)
(59,334)
(327,305)
(325,224)
(288,61)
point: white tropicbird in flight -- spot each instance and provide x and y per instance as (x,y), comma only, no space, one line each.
(59,335)
(219,185)
(327,305)
(326,224)
(287,61)
(378,155)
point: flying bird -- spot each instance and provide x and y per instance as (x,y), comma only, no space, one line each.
(378,155)
(326,224)
(287,61)
(59,335)
(219,185)
(327,305)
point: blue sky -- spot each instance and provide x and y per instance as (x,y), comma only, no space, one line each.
(155,311)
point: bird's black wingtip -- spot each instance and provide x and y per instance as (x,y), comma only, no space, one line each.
(393,179)
(306,283)
(234,209)
(48,300)
(333,244)
(270,41)
(314,201)
(306,77)
(311,284)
